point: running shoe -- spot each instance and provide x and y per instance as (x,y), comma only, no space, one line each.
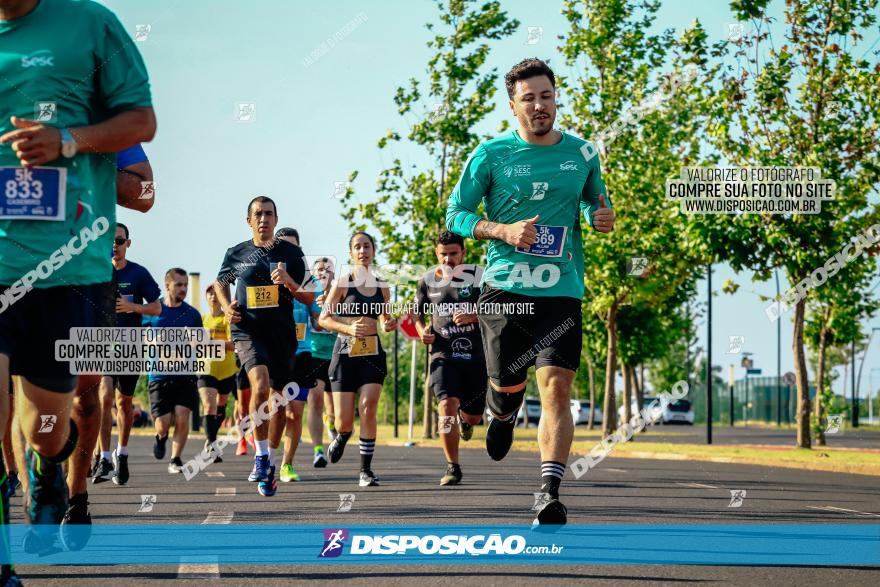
(269,486)
(12,484)
(213,453)
(336,448)
(467,430)
(175,466)
(242,447)
(76,527)
(320,460)
(553,513)
(95,460)
(8,578)
(499,437)
(368,479)
(331,427)
(452,476)
(288,474)
(120,466)
(261,469)
(47,490)
(104,471)
(159,447)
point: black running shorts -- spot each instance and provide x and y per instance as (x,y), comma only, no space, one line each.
(30,325)
(549,336)
(165,394)
(349,373)
(303,374)
(274,350)
(223,386)
(321,371)
(465,380)
(125,384)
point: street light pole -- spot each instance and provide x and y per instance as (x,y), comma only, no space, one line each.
(858,380)
(730,389)
(709,354)
(778,361)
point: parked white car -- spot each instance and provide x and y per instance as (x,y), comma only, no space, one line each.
(580,412)
(680,412)
(533,405)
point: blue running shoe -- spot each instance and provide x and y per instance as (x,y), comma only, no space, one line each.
(45,504)
(261,469)
(268,487)
(12,484)
(47,490)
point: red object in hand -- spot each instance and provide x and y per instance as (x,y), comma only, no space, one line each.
(408,328)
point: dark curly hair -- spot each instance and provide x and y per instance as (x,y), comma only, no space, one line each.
(525,69)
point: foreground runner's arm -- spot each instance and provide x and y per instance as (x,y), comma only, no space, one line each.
(461,216)
(340,324)
(425,332)
(280,276)
(389,322)
(226,276)
(133,169)
(35,143)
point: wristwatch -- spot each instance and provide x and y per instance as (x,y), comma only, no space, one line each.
(68,144)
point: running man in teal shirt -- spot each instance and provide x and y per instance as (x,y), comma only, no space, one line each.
(536,183)
(73,91)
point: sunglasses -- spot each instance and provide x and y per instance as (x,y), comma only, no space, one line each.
(120,241)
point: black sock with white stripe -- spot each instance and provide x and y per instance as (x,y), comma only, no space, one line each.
(552,473)
(368,447)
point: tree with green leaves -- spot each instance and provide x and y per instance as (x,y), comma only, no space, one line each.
(442,111)
(803,101)
(635,78)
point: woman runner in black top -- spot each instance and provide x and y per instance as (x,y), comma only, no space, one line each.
(353,308)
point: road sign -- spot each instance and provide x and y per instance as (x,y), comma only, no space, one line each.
(408,328)
(753,371)
(789,378)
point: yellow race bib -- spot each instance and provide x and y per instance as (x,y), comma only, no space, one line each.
(364,347)
(300,332)
(262,296)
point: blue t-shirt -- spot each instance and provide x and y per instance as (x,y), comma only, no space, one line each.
(302,315)
(182,316)
(134,283)
(130,156)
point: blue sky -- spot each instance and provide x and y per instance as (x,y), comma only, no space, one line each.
(316,123)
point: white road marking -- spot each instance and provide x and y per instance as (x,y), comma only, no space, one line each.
(216,474)
(832,508)
(225,491)
(219,518)
(200,570)
(196,567)
(611,470)
(697,486)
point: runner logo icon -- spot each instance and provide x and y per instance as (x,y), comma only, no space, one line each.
(334,540)
(539,190)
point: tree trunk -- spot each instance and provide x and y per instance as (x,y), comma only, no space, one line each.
(639,391)
(592,382)
(609,417)
(820,381)
(627,372)
(800,371)
(639,383)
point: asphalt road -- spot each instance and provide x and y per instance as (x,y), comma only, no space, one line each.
(725,435)
(619,491)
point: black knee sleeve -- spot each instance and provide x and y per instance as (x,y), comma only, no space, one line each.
(69,446)
(504,405)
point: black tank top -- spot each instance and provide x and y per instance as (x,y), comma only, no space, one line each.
(357,304)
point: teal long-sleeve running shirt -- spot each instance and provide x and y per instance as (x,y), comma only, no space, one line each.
(518,181)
